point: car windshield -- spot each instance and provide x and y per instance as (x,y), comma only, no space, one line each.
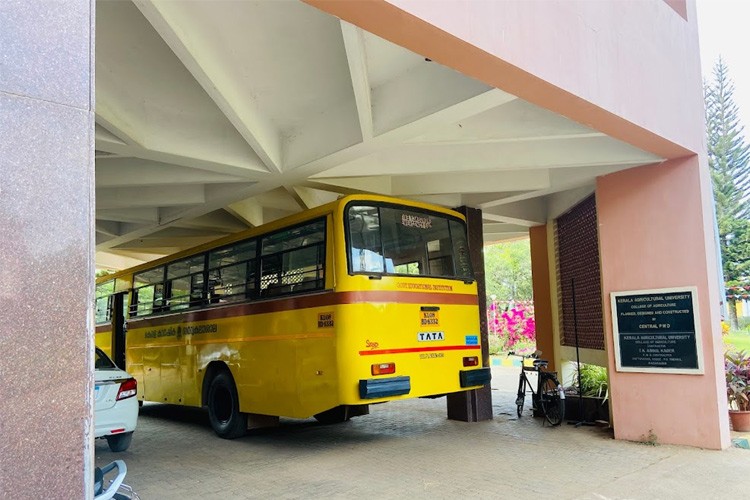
(102,362)
(388,239)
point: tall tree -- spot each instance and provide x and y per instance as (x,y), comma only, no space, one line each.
(508,270)
(728,156)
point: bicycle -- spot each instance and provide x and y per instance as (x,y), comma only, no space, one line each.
(549,398)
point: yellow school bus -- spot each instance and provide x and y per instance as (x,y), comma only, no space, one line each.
(364,300)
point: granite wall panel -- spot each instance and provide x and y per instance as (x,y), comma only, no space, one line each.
(46,248)
(45,50)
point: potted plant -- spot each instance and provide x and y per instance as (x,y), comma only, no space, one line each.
(737,365)
(593,391)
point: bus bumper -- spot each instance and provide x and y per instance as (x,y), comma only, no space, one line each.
(471,378)
(384,387)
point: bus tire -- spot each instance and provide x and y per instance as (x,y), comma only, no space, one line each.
(333,416)
(224,407)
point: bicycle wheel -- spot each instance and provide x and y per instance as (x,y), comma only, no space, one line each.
(552,406)
(519,404)
(521,395)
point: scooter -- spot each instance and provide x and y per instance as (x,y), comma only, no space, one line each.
(115,488)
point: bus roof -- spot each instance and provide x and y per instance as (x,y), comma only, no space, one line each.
(289,220)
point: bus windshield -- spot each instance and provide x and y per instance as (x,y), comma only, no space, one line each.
(388,239)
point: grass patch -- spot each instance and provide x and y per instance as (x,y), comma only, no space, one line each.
(740,341)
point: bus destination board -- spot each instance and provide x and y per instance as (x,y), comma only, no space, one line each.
(657,331)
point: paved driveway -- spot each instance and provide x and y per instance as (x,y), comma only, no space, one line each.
(410,450)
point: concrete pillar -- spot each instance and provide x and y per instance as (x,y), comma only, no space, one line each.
(476,405)
(656,231)
(542,297)
(46,248)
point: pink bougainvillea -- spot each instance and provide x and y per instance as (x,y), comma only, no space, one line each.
(512,322)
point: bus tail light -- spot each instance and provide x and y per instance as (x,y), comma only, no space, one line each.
(383,368)
(128,389)
(471,361)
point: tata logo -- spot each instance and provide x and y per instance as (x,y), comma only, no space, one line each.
(371,345)
(430,336)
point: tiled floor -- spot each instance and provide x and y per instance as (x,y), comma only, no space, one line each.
(410,450)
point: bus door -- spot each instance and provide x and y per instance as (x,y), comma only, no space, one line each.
(118,329)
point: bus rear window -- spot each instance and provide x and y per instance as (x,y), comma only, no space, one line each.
(403,241)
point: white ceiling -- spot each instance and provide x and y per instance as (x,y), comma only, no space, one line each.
(215,116)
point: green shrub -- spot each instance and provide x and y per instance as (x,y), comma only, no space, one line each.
(594,381)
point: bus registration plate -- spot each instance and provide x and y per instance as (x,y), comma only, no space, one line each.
(429,318)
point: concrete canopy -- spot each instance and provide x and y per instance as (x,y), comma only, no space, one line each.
(212,117)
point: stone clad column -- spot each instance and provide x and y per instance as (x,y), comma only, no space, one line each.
(46,247)
(476,405)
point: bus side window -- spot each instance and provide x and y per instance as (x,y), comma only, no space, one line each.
(158,297)
(148,292)
(178,291)
(197,290)
(293,260)
(133,308)
(231,273)
(303,268)
(143,301)
(103,305)
(270,272)
(214,285)
(104,293)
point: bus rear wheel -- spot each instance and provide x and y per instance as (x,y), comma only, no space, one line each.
(224,407)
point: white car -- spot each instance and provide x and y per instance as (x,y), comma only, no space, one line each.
(115,404)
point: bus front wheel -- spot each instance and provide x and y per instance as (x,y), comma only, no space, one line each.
(224,407)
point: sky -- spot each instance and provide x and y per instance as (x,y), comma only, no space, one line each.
(724,29)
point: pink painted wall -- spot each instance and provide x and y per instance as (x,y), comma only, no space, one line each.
(656,231)
(629,69)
